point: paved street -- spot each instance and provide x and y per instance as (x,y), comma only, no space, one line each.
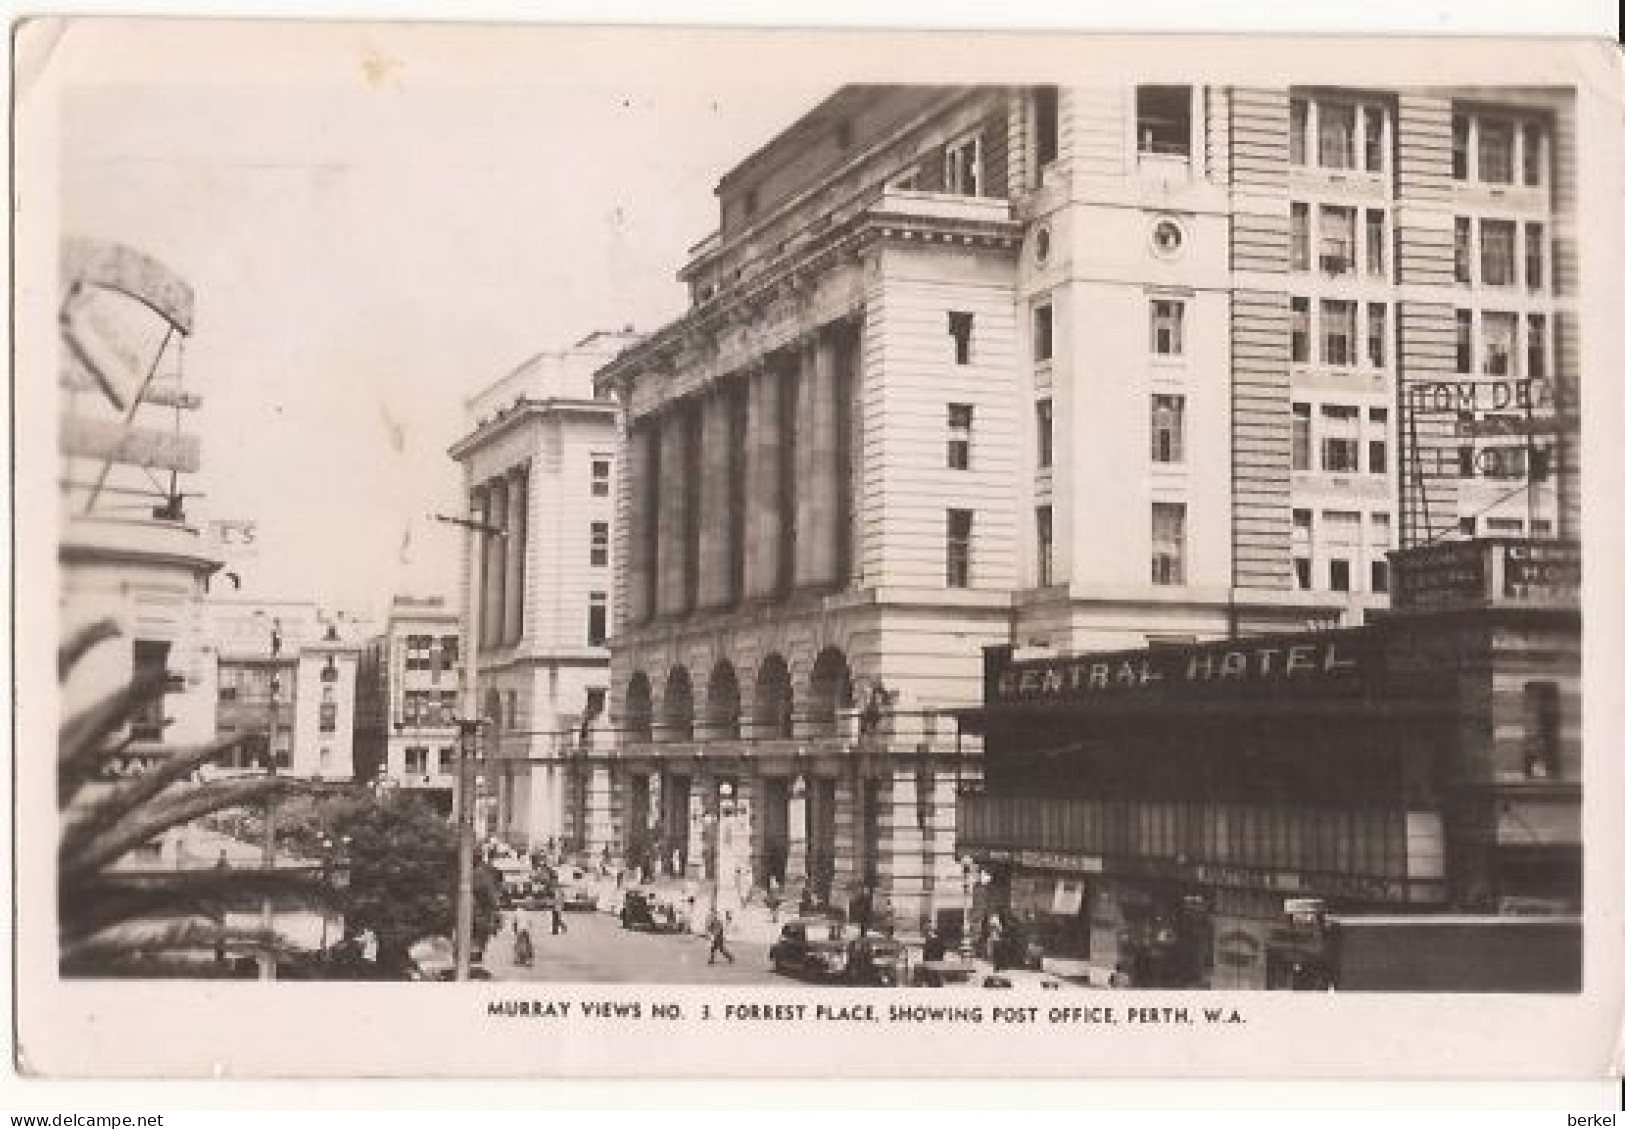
(597,949)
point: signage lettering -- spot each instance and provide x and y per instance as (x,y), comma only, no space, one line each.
(1266,662)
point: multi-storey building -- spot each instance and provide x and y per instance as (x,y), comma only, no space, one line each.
(540,465)
(410,698)
(1074,368)
(286,672)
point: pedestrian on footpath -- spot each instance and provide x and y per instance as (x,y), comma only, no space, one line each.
(558,918)
(719,939)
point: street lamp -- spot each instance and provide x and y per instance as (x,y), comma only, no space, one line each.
(974,876)
(268,848)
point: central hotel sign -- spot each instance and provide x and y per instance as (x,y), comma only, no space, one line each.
(1325,660)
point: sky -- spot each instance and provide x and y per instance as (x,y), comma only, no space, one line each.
(366,254)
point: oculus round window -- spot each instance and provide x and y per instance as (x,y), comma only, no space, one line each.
(1167,237)
(1041,242)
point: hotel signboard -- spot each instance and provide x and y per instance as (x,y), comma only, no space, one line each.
(1328,661)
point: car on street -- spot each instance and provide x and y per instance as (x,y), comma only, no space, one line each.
(945,973)
(811,947)
(644,909)
(1020,980)
(876,962)
(575,891)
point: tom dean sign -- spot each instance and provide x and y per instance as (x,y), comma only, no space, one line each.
(1266,665)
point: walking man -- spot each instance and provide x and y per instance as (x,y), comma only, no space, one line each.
(719,938)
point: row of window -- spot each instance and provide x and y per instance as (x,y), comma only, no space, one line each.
(1326,553)
(1340,333)
(1501,245)
(429,707)
(417,760)
(1342,135)
(1498,148)
(1343,431)
(1499,343)
(1339,240)
(426,652)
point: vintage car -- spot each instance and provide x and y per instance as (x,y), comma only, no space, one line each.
(1019,980)
(644,909)
(948,972)
(875,962)
(811,947)
(575,891)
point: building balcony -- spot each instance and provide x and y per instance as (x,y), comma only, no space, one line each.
(1489,572)
(943,205)
(1362,852)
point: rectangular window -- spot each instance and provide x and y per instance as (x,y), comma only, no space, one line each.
(1464,342)
(959,546)
(1536,347)
(1534,143)
(600,478)
(1167,429)
(1336,142)
(1300,236)
(1542,729)
(1339,441)
(1534,255)
(962,167)
(959,431)
(1379,575)
(1045,412)
(1338,574)
(1376,242)
(1494,151)
(1300,437)
(1504,526)
(599,555)
(1167,543)
(448,760)
(1043,332)
(1500,343)
(597,619)
(1044,517)
(1459,133)
(329,717)
(1377,443)
(1376,334)
(1163,114)
(1336,240)
(1375,158)
(150,667)
(1464,250)
(1303,572)
(1496,238)
(513,710)
(959,328)
(1298,126)
(449,646)
(1336,332)
(417,760)
(1300,331)
(1167,327)
(1467,526)
(1046,124)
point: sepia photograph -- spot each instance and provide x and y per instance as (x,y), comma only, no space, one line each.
(1019,538)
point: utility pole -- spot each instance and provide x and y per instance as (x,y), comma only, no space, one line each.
(468,730)
(268,848)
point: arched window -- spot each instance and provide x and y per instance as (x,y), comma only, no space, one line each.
(722,702)
(639,710)
(678,702)
(831,692)
(774,701)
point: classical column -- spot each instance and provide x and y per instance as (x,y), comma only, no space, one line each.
(796,871)
(641,483)
(479,501)
(495,565)
(763,522)
(672,527)
(716,509)
(817,470)
(513,573)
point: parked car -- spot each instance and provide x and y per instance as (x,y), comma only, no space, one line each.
(1020,980)
(875,962)
(811,947)
(433,958)
(575,890)
(945,973)
(643,909)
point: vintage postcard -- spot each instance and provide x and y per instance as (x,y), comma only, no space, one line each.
(570,552)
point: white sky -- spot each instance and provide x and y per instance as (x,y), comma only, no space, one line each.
(365,255)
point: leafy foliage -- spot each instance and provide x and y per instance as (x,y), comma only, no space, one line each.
(131,922)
